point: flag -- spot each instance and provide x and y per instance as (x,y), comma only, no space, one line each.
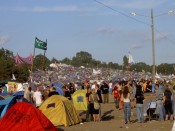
(40,44)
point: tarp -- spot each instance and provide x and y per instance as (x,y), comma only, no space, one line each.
(25,117)
(79,99)
(1,97)
(60,111)
(6,104)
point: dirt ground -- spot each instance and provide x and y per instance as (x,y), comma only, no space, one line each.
(113,120)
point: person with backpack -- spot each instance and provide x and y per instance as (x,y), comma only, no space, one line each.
(139,97)
(168,103)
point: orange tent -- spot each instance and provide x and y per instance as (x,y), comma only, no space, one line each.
(24,117)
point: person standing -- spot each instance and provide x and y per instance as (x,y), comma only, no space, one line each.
(159,102)
(127,104)
(53,92)
(29,95)
(173,100)
(93,111)
(98,91)
(110,87)
(139,97)
(168,103)
(66,93)
(105,92)
(116,97)
(37,97)
(89,110)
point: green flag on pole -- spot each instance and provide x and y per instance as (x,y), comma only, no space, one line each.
(40,44)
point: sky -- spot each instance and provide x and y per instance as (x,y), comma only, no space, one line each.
(103,28)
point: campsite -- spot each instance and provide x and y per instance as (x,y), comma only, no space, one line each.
(91,65)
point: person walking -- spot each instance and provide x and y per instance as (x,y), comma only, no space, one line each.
(127,104)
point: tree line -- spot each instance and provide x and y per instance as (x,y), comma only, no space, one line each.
(82,58)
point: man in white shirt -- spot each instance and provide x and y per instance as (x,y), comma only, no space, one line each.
(110,87)
(37,97)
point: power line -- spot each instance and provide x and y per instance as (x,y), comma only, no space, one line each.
(164,36)
(128,16)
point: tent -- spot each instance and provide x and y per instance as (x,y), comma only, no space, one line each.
(58,87)
(79,99)
(60,111)
(24,117)
(6,104)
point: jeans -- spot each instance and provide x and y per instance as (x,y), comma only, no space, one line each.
(160,109)
(127,111)
(139,109)
(116,100)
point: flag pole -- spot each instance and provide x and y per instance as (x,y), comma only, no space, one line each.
(44,58)
(32,62)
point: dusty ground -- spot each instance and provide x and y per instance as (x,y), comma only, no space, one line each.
(112,120)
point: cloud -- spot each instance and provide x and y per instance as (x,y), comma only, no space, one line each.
(70,8)
(105,30)
(137,46)
(4,39)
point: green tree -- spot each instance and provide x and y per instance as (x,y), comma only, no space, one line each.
(38,62)
(82,58)
(125,62)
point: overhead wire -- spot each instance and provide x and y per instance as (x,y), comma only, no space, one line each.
(126,15)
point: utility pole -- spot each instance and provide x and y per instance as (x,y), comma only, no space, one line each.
(153,48)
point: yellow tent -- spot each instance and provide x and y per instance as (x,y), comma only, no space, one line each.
(79,100)
(60,111)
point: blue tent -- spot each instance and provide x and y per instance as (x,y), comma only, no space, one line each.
(6,104)
(1,97)
(59,90)
(19,93)
(57,84)
(58,87)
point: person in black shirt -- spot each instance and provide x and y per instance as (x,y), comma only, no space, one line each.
(53,92)
(139,97)
(105,92)
(66,93)
(89,105)
(168,102)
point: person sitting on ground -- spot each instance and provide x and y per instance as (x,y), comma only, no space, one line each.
(53,92)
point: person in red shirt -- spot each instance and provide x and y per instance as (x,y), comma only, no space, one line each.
(116,97)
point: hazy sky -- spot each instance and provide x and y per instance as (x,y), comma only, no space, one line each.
(70,26)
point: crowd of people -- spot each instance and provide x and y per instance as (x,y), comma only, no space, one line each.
(131,94)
